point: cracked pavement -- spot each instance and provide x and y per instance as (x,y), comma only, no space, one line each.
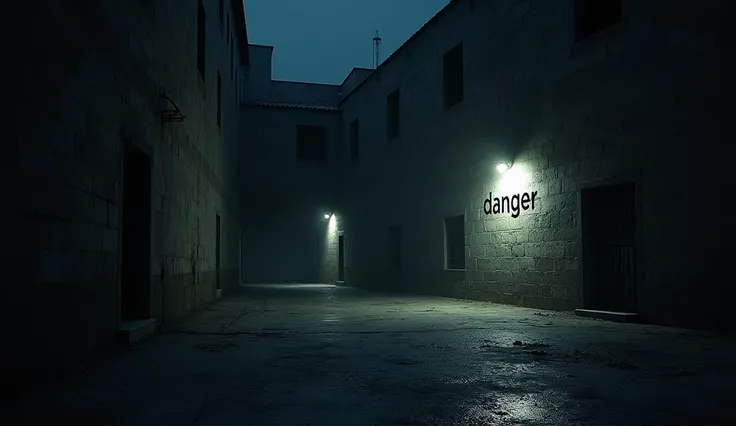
(325,355)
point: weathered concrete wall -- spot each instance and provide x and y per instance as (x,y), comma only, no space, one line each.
(290,246)
(645,100)
(284,226)
(89,79)
(285,235)
(258,74)
(356,76)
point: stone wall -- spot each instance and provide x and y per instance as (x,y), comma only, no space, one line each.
(284,226)
(285,235)
(88,82)
(638,102)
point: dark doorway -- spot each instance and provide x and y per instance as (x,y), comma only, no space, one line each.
(594,16)
(455,242)
(341,258)
(609,248)
(394,248)
(217,252)
(135,288)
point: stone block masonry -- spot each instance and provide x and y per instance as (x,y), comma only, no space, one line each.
(568,116)
(513,204)
(90,83)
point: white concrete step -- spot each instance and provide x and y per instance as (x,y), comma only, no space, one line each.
(131,332)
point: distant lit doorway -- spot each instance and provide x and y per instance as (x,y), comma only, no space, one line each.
(135,289)
(341,258)
(609,248)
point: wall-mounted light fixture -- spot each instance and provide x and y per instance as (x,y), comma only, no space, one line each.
(171,115)
(328,215)
(503,167)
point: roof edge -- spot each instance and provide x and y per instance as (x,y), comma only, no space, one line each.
(351,73)
(396,52)
(282,105)
(261,45)
(305,82)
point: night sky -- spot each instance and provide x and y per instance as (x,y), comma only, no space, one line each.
(320,41)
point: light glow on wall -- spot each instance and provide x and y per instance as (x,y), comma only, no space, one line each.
(327,215)
(332,225)
(502,167)
(329,255)
(515,180)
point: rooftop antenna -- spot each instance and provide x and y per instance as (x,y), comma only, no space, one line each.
(377,50)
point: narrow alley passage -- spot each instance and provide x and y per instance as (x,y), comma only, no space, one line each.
(326,355)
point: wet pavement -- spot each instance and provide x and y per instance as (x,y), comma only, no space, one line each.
(322,355)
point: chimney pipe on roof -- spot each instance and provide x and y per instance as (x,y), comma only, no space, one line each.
(376,50)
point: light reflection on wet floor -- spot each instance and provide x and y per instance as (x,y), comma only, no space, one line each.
(321,355)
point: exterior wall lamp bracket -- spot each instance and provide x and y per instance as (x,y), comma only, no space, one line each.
(173,115)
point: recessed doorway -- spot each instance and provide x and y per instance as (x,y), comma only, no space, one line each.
(135,286)
(341,258)
(609,248)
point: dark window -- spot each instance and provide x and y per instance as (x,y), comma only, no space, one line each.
(219,99)
(311,143)
(222,14)
(232,67)
(452,74)
(354,140)
(394,247)
(201,39)
(455,242)
(593,16)
(392,111)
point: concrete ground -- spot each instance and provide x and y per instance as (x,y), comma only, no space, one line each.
(324,355)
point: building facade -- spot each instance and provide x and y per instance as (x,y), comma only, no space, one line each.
(123,157)
(602,118)
(290,162)
(153,163)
